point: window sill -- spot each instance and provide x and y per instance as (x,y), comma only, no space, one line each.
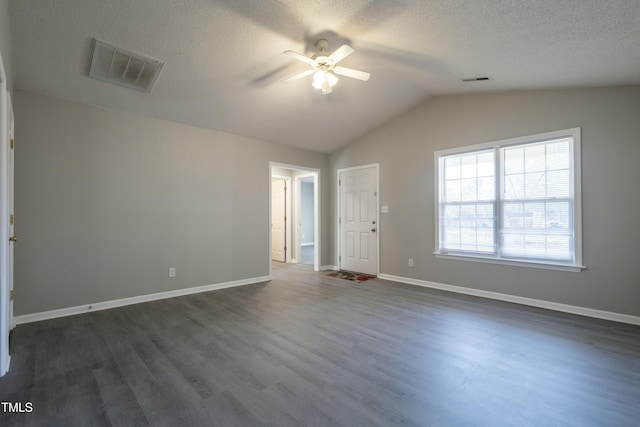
(529,264)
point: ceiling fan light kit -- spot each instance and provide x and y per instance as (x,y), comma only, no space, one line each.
(323,67)
(324,80)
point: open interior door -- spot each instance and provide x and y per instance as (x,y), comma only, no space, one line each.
(278,219)
(6,241)
(12,219)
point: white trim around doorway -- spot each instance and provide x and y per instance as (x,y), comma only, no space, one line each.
(307,171)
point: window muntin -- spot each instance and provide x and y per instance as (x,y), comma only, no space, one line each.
(511,200)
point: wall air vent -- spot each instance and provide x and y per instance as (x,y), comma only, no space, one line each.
(121,67)
(476,79)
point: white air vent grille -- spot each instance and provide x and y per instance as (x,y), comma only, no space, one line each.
(119,66)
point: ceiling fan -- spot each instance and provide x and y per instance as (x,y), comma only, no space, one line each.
(324,68)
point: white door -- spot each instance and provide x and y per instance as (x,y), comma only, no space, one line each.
(278,219)
(13,238)
(358,221)
(6,203)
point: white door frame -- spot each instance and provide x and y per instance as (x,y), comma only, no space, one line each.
(316,205)
(338,236)
(5,320)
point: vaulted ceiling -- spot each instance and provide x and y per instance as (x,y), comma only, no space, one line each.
(224,58)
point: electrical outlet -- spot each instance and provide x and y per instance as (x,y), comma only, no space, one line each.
(172,272)
(384,209)
(410,262)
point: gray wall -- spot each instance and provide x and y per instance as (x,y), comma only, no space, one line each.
(610,122)
(306,212)
(107,201)
(5,41)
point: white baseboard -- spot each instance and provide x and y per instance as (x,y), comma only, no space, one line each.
(70,311)
(329,267)
(583,311)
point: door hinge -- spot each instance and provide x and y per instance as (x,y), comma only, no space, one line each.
(285,217)
(375,194)
(340,258)
(339,182)
(339,220)
(11,219)
(12,144)
(11,295)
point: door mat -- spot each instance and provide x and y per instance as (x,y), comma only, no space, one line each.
(356,277)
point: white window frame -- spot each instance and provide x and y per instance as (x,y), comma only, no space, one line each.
(576,265)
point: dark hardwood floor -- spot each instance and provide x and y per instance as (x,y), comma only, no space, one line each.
(307,349)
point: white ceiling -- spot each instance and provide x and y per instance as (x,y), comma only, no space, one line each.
(224,58)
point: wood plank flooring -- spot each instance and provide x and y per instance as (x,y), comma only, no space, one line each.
(310,350)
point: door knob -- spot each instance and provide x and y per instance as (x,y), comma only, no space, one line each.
(373,230)
(13,238)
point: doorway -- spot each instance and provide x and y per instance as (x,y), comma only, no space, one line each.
(358,243)
(306,223)
(302,212)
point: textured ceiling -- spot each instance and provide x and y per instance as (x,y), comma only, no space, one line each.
(224,58)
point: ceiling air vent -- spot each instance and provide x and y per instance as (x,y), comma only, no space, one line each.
(476,79)
(121,67)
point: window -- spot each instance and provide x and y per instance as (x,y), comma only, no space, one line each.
(515,201)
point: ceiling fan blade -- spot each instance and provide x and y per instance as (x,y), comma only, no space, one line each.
(342,52)
(372,16)
(281,19)
(350,72)
(301,57)
(297,76)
